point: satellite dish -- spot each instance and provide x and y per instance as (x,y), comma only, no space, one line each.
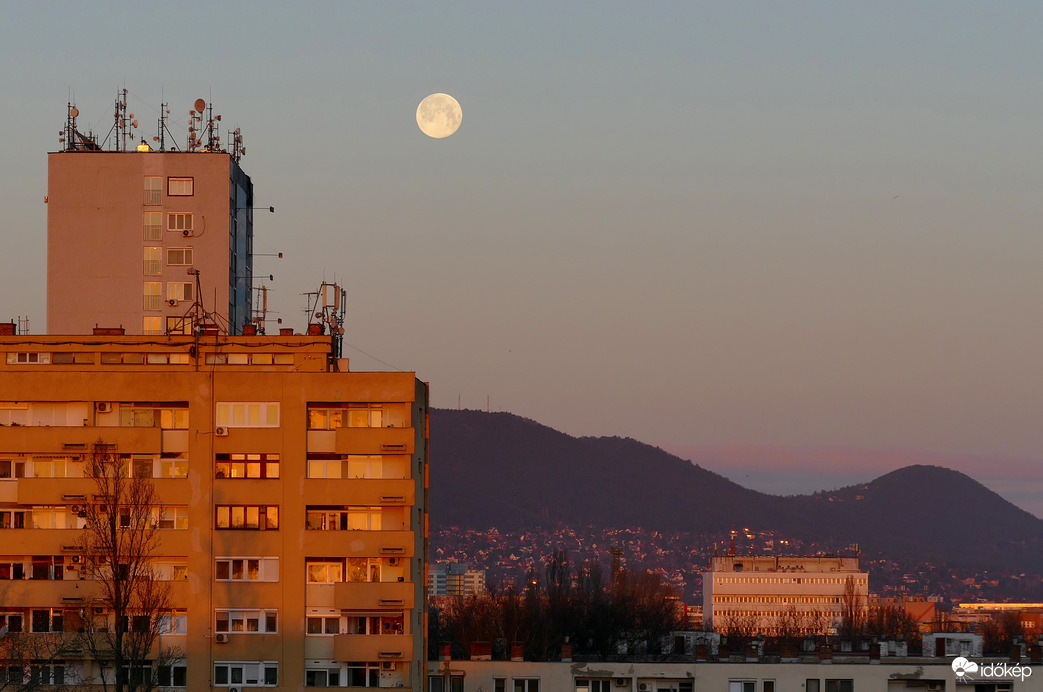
(134,124)
(200,105)
(74,112)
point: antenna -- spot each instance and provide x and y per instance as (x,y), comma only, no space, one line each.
(326,308)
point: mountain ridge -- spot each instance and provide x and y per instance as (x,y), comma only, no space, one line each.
(502,470)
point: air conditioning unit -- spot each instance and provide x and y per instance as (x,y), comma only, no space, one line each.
(643,686)
(935,686)
(76,509)
(103,407)
(172,302)
(387,665)
(75,559)
(187,233)
(221,431)
(230,689)
(622,682)
(393,561)
(221,638)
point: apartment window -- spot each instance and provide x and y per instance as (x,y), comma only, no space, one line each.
(349,416)
(499,684)
(593,685)
(845,685)
(356,466)
(343,518)
(170,518)
(12,621)
(172,676)
(246,621)
(329,624)
(246,569)
(151,325)
(322,677)
(28,358)
(248,414)
(179,256)
(47,620)
(179,325)
(147,416)
(12,519)
(325,572)
(247,517)
(179,221)
(180,290)
(12,468)
(42,675)
(363,674)
(179,187)
(176,467)
(237,673)
(153,190)
(152,226)
(247,466)
(526,685)
(812,685)
(767,686)
(173,623)
(153,298)
(153,261)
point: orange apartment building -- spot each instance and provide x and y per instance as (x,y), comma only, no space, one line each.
(293,518)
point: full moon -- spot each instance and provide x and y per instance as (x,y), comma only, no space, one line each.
(439,115)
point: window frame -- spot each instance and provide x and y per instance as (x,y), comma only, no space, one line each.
(176,186)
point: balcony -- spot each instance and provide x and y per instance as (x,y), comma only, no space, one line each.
(359,543)
(394,595)
(78,440)
(78,491)
(363,440)
(359,491)
(372,647)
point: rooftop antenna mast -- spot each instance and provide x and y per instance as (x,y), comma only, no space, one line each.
(164,113)
(70,138)
(124,122)
(326,307)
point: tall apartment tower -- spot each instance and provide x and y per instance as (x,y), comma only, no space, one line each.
(137,236)
(291,493)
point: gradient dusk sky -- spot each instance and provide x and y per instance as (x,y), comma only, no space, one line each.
(793,227)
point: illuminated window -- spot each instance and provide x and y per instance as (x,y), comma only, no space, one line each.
(151,325)
(246,569)
(247,517)
(153,267)
(247,466)
(248,414)
(153,298)
(246,621)
(179,187)
(179,290)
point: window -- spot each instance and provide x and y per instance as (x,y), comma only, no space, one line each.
(768,686)
(593,685)
(742,686)
(151,325)
(167,416)
(179,325)
(44,675)
(153,225)
(246,569)
(179,256)
(172,676)
(325,572)
(847,685)
(329,624)
(812,685)
(526,685)
(174,467)
(246,621)
(153,190)
(343,518)
(180,221)
(28,358)
(248,414)
(363,674)
(153,298)
(47,620)
(322,677)
(179,187)
(12,519)
(247,466)
(170,517)
(153,267)
(349,416)
(357,466)
(180,290)
(247,517)
(12,621)
(174,623)
(238,673)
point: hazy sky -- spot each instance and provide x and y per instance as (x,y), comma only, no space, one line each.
(788,225)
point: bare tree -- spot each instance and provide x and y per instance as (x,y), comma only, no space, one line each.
(853,610)
(123,621)
(30,661)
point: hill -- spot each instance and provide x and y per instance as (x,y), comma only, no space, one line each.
(501,470)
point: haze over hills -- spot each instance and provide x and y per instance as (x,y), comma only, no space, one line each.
(501,470)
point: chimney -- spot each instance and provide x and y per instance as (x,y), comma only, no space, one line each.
(315,329)
(517,652)
(249,330)
(286,331)
(825,654)
(481,651)
(445,651)
(566,652)
(7,329)
(109,331)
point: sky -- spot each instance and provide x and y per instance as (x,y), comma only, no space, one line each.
(796,242)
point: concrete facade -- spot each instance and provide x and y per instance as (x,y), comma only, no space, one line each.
(125,228)
(768,593)
(227,427)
